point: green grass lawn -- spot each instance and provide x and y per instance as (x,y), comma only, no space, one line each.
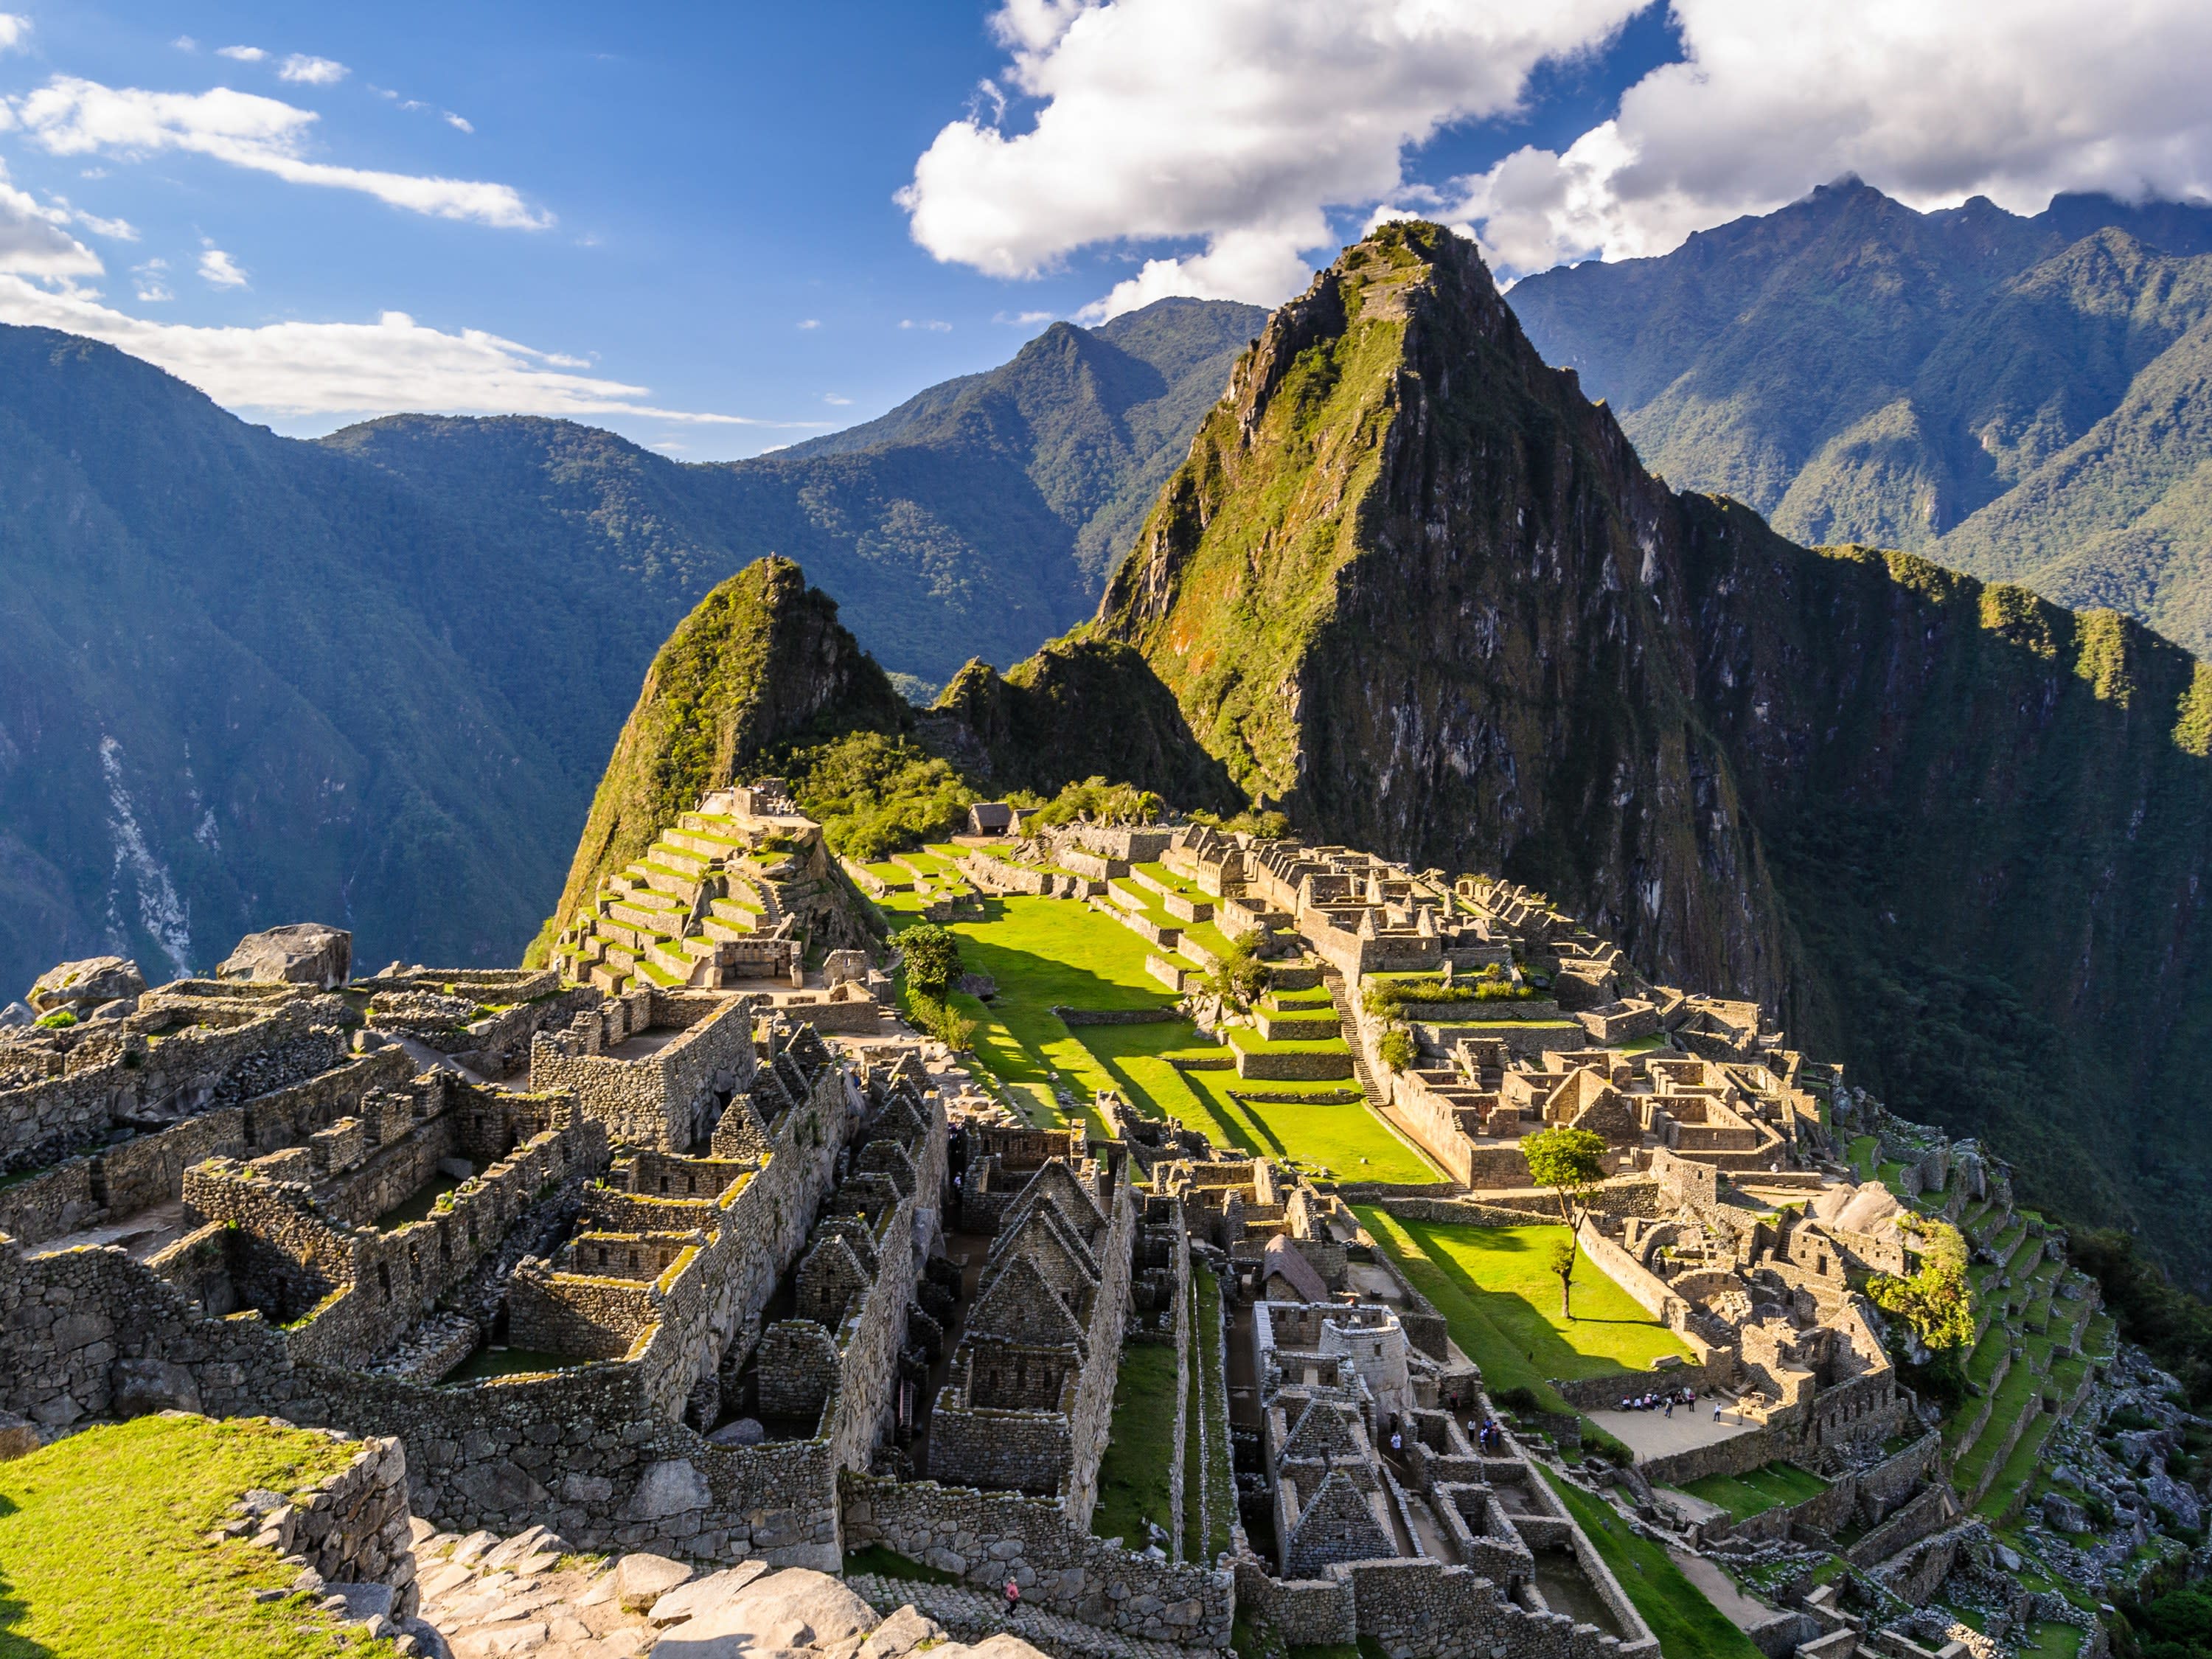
(1042,951)
(1775,1487)
(1133,1477)
(100,1555)
(1861,1154)
(1498,1293)
(1688,1626)
(1346,1139)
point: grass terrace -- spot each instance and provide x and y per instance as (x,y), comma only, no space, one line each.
(1497,1291)
(100,1550)
(1777,1485)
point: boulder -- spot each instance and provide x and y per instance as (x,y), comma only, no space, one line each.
(740,1432)
(301,953)
(642,1580)
(2061,1513)
(139,1388)
(797,1607)
(121,1008)
(16,1013)
(900,1633)
(688,1601)
(81,987)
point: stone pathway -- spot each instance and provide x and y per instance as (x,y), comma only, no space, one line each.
(973,1615)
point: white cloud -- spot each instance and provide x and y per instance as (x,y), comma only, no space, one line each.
(307,72)
(219,269)
(121,230)
(832,398)
(186,42)
(72,117)
(931,324)
(152,285)
(1238,122)
(14,25)
(810,322)
(242,54)
(1932,100)
(460,121)
(34,242)
(355,369)
(1236,128)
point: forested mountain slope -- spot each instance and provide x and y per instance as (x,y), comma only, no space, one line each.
(2021,398)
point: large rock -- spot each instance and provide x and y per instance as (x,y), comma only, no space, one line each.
(706,1595)
(899,1634)
(642,1580)
(81,987)
(797,1607)
(302,953)
(19,1438)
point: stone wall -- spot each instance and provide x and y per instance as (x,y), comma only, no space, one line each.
(666,1099)
(1450,1612)
(352,1526)
(988,1537)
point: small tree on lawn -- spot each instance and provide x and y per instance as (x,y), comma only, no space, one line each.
(1570,1162)
(932,958)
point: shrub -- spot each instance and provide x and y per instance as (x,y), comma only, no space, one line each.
(1383,998)
(932,956)
(60,1020)
(942,1021)
(1100,802)
(1241,976)
(1398,1048)
(874,795)
(1938,1301)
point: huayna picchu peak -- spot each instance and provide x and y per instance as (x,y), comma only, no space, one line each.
(1490,1061)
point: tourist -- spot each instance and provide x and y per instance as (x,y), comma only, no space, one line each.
(1013,1595)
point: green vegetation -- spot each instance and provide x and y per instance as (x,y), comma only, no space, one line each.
(100,1550)
(1938,1301)
(1688,1626)
(1211,1473)
(874,795)
(1398,1048)
(1495,1288)
(1096,801)
(1569,1161)
(1133,1477)
(1776,1486)
(1385,994)
(2175,1326)
(889,1564)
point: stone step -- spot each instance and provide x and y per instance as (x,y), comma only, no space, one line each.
(629,913)
(736,912)
(683,860)
(974,1616)
(723,933)
(704,843)
(667,883)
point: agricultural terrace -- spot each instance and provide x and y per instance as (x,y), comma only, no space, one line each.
(1495,1289)
(102,1550)
(1044,952)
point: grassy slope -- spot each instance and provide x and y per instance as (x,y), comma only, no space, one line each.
(100,1555)
(1688,1626)
(1133,1477)
(1745,1495)
(1501,1299)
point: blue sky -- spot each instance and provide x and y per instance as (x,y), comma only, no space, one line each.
(719,179)
(720,228)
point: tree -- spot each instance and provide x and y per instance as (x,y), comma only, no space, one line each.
(1563,1263)
(932,958)
(1568,1161)
(1398,1048)
(1938,1301)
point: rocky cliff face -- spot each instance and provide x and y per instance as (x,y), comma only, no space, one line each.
(1412,586)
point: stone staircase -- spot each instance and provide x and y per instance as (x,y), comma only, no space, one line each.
(973,1615)
(1347,1020)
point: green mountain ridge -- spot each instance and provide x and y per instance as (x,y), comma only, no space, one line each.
(1410,586)
(2021,398)
(372,679)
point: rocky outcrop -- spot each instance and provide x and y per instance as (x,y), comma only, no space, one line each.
(303,953)
(82,987)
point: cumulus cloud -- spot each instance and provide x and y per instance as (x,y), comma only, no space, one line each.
(68,116)
(810,322)
(930,324)
(219,269)
(459,123)
(312,71)
(1116,123)
(1238,122)
(242,54)
(13,28)
(1932,100)
(34,240)
(355,369)
(151,283)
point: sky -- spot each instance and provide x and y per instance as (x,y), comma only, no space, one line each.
(721,228)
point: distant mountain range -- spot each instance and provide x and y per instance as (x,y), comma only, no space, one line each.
(2026,398)
(372,680)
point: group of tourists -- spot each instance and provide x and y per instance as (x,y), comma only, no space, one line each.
(1665,1401)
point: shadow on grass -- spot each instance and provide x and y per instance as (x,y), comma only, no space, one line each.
(13,1610)
(1518,1320)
